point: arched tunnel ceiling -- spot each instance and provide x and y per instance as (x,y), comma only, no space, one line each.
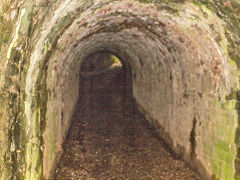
(183,76)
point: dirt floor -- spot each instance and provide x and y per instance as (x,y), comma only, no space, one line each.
(106,142)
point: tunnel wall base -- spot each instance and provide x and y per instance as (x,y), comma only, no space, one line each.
(177,151)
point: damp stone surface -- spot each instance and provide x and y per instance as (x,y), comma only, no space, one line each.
(182,61)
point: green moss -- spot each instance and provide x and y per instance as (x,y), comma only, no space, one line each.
(6,30)
(40,104)
(60,27)
(225,168)
(223,152)
(223,146)
(18,65)
(145,1)
(215,166)
(237,140)
(26,23)
(230,104)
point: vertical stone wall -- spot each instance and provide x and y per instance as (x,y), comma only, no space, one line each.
(184,59)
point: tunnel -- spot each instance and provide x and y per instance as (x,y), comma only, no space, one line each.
(179,62)
(104,73)
(108,137)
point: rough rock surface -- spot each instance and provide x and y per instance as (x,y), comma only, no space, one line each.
(182,59)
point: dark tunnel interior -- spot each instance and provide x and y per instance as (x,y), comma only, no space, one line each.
(109,138)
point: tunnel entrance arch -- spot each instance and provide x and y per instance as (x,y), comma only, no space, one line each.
(168,58)
(103,63)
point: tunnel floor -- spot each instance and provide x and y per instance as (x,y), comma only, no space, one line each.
(106,143)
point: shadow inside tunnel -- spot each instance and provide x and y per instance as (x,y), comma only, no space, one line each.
(109,138)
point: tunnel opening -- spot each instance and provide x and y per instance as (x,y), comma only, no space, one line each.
(109,138)
(185,78)
(109,79)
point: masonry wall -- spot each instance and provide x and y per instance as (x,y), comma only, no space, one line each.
(183,57)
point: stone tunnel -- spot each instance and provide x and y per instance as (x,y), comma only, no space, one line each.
(182,65)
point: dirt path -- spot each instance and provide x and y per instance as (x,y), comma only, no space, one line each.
(106,144)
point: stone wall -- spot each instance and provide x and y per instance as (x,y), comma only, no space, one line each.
(183,57)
